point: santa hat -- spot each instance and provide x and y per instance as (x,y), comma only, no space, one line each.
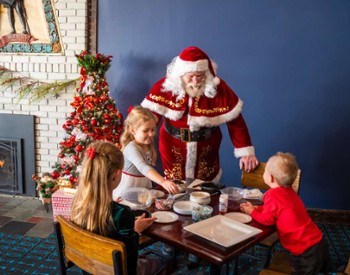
(192,59)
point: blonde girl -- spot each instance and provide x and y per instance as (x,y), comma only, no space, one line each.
(139,152)
(94,209)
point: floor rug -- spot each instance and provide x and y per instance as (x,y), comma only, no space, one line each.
(29,255)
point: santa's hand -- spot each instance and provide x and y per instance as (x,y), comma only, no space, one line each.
(248,163)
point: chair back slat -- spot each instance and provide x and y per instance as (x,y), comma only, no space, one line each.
(91,252)
(255,179)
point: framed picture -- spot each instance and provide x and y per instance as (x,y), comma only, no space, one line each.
(29,26)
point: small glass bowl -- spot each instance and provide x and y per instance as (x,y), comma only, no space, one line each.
(200,213)
(164,203)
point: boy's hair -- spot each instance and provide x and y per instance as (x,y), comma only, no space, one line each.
(136,117)
(284,168)
(91,206)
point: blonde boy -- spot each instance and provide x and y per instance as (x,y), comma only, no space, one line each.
(283,207)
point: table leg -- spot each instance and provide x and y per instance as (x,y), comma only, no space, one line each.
(215,269)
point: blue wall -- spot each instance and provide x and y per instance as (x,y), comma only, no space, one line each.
(289,61)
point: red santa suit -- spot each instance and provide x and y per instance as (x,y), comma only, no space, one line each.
(190,136)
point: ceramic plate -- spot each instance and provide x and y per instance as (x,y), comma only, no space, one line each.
(165,216)
(239,217)
(184,207)
(222,230)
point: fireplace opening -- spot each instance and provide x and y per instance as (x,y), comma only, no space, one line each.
(17,154)
(11,166)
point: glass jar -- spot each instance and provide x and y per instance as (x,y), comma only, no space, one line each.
(223,202)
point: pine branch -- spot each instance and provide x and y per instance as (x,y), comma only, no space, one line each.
(35,90)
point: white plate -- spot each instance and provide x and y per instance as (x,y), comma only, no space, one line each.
(222,230)
(184,207)
(165,216)
(239,217)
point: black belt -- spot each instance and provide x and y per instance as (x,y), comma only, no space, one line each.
(186,135)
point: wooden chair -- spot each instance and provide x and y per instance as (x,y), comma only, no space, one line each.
(90,252)
(255,180)
(347,268)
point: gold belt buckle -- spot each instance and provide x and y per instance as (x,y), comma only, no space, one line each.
(182,134)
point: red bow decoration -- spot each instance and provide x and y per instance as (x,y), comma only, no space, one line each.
(130,108)
(90,153)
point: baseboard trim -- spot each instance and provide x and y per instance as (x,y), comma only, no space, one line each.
(329,215)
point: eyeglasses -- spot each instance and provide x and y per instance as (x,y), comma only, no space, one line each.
(198,76)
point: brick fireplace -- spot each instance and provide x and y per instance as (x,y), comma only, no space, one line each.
(17,154)
(77,24)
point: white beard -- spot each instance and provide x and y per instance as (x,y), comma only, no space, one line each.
(194,90)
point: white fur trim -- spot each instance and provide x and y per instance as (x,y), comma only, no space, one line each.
(180,67)
(191,159)
(204,121)
(159,109)
(216,81)
(244,151)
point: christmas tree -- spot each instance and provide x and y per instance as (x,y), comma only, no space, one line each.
(95,117)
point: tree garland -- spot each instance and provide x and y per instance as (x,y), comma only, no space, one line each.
(35,89)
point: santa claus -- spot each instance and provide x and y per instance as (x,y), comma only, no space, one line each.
(194,102)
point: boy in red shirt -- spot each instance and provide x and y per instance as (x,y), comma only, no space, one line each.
(283,207)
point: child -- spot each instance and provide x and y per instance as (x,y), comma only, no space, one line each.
(139,152)
(94,209)
(283,207)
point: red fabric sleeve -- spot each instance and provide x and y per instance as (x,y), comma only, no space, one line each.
(239,133)
(269,212)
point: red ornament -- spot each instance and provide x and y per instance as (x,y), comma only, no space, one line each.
(75,122)
(55,175)
(79,148)
(93,122)
(104,98)
(66,172)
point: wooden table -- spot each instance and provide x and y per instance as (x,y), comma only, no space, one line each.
(173,234)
